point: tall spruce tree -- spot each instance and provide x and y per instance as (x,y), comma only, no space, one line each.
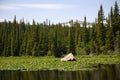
(109,32)
(55,44)
(77,38)
(85,32)
(71,37)
(116,19)
(92,38)
(86,36)
(100,31)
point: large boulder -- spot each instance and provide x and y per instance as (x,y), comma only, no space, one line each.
(68,57)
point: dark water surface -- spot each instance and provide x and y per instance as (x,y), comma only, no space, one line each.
(101,72)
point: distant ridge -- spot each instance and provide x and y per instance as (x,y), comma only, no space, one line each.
(69,24)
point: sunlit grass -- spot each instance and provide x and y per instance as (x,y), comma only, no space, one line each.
(47,62)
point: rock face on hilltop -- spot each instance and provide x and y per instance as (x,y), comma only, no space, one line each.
(68,57)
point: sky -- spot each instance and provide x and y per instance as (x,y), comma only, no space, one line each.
(54,10)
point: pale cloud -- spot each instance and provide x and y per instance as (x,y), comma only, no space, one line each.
(35,6)
(43,6)
(8,7)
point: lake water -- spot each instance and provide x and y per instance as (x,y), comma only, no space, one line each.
(101,72)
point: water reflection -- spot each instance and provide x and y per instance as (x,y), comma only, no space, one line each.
(101,72)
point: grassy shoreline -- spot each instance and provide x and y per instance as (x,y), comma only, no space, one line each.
(40,63)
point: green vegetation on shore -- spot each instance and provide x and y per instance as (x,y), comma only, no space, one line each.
(51,63)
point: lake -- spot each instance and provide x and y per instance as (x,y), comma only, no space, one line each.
(100,72)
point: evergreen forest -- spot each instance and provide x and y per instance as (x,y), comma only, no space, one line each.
(46,39)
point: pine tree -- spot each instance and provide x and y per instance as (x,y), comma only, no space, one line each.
(30,40)
(71,37)
(55,44)
(77,38)
(86,36)
(85,32)
(116,19)
(34,50)
(23,45)
(100,31)
(15,38)
(4,39)
(92,39)
(50,41)
(9,39)
(109,33)
(101,27)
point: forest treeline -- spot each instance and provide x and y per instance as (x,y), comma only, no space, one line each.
(40,39)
